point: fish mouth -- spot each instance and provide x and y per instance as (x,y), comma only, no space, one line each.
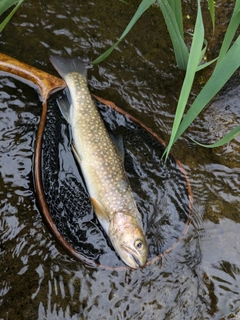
(135,261)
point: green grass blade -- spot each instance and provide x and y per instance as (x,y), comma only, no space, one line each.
(6,4)
(106,53)
(176,6)
(212,13)
(228,137)
(222,73)
(5,22)
(144,5)
(231,30)
(179,46)
(194,56)
(206,64)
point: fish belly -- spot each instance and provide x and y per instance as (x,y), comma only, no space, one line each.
(100,162)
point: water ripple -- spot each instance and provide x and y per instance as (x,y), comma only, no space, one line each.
(200,279)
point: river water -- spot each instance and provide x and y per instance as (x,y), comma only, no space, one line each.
(200,278)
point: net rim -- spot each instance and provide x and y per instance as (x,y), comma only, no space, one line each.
(43,206)
(46,84)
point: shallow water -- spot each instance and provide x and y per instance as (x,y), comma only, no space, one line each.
(199,279)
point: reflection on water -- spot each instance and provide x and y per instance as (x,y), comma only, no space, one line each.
(220,266)
(200,278)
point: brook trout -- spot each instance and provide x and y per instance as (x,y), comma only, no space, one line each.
(102,166)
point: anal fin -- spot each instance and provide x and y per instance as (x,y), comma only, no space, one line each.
(118,142)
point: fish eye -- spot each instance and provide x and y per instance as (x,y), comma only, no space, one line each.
(138,244)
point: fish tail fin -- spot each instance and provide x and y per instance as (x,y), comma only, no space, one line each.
(67,65)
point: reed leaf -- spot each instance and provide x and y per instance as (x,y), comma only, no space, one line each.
(193,61)
(175,31)
(205,64)
(144,5)
(231,31)
(227,138)
(212,13)
(227,62)
(222,73)
(176,6)
(6,4)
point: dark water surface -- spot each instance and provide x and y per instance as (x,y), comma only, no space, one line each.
(200,279)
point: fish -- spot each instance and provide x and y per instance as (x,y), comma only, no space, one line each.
(102,165)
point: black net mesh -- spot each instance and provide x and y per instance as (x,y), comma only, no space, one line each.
(160,190)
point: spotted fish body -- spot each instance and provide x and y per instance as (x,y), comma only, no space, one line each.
(102,167)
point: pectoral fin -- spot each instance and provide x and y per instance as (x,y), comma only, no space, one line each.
(76,154)
(64,105)
(101,214)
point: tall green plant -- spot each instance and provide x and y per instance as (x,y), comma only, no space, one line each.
(172,13)
(192,65)
(227,64)
(4,6)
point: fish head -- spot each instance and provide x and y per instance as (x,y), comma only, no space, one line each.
(128,240)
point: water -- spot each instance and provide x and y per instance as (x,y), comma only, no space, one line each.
(199,279)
